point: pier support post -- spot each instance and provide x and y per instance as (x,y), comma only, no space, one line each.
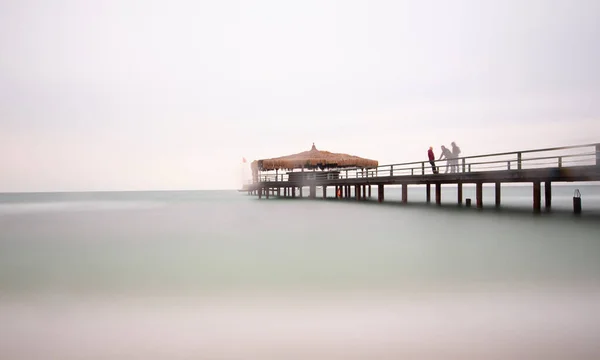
(438,194)
(267,190)
(460,193)
(428,192)
(278,192)
(357,192)
(380,192)
(405,193)
(324,192)
(369,191)
(364,192)
(548,194)
(312,191)
(479,194)
(260,190)
(300,191)
(537,197)
(498,193)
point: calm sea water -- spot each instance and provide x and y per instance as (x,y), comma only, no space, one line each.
(219,274)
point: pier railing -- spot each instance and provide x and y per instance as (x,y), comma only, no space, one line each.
(556,157)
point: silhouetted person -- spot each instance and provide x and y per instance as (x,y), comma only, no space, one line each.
(455,154)
(432,160)
(446,154)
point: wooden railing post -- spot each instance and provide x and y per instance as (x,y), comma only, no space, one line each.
(392,170)
(463,164)
(422,167)
(519,161)
(597,154)
(508,163)
(560,161)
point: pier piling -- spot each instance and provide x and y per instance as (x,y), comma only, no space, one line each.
(537,197)
(498,193)
(548,194)
(479,194)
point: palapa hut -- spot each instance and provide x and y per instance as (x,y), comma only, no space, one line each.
(312,160)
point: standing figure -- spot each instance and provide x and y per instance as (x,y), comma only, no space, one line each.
(432,160)
(447,154)
(455,154)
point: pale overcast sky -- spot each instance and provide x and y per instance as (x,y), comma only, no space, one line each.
(152,94)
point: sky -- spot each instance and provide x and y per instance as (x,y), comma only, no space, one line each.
(164,95)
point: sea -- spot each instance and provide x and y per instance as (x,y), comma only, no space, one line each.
(224,275)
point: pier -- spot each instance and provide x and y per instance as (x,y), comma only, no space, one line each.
(538,167)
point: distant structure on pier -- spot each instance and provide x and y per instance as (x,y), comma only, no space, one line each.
(327,162)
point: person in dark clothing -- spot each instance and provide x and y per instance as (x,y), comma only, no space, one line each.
(432,160)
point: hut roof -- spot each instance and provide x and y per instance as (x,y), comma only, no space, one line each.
(313,159)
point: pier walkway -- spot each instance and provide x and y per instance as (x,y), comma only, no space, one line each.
(539,166)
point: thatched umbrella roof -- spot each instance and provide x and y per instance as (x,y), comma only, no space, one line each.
(313,159)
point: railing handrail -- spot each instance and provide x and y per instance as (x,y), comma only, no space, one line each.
(493,154)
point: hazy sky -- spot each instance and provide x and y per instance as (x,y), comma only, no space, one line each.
(149,94)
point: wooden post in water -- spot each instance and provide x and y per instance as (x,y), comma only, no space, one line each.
(324,192)
(460,192)
(357,192)
(267,190)
(299,191)
(479,194)
(438,194)
(380,192)
(498,194)
(260,190)
(537,196)
(405,193)
(428,192)
(312,191)
(369,191)
(548,194)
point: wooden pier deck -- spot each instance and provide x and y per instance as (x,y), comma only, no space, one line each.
(539,166)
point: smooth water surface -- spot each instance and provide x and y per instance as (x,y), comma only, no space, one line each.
(221,274)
